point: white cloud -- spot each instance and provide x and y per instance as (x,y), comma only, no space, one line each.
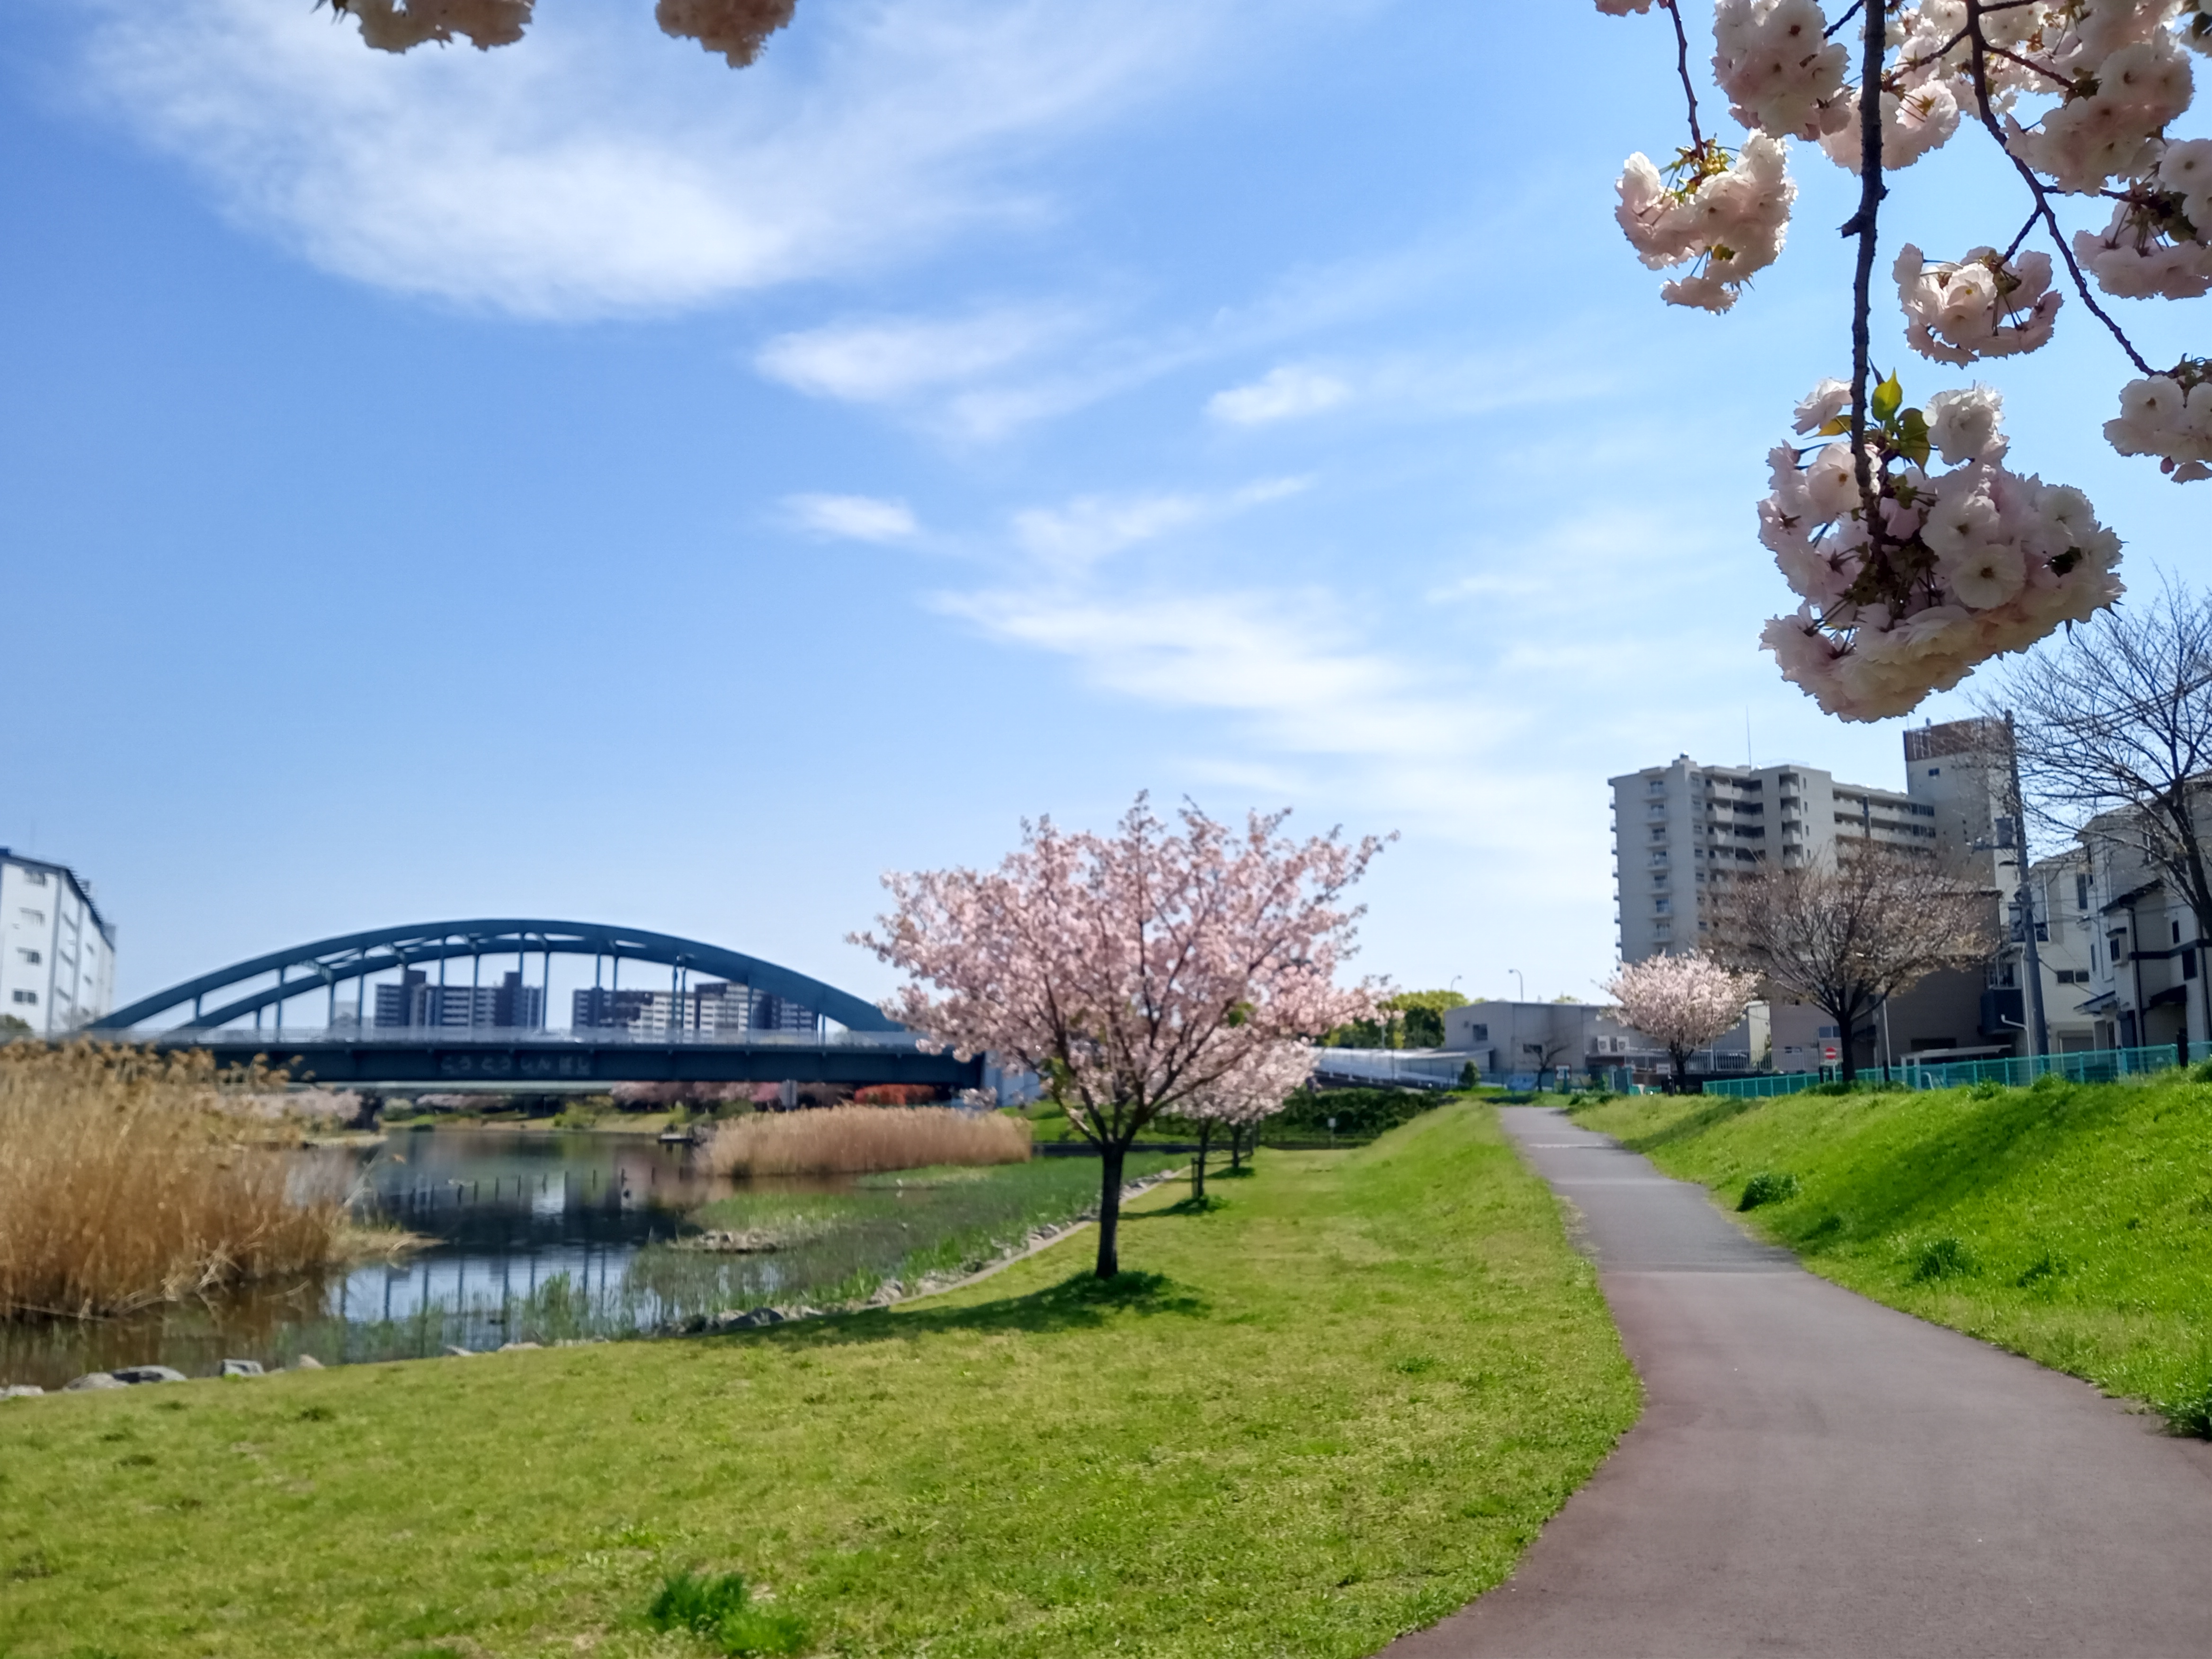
(600,168)
(853,518)
(1094,527)
(1281,394)
(889,361)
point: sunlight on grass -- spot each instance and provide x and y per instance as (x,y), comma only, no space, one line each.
(1333,1409)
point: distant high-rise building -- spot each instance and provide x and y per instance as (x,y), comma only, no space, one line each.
(56,951)
(716,1008)
(415,1002)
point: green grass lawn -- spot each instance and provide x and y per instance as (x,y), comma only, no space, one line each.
(2069,1222)
(1331,1409)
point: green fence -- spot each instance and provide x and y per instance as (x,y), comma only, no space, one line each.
(1782,1083)
(2085,1066)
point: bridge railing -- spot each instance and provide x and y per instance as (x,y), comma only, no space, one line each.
(415,1037)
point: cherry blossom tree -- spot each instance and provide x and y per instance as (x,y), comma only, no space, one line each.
(1141,973)
(1255,1091)
(736,29)
(1684,1002)
(1847,933)
(1911,572)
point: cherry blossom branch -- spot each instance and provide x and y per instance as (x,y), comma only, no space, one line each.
(1864,224)
(1682,68)
(2043,208)
(1829,33)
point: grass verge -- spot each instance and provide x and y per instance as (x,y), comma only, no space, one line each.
(2069,1222)
(1335,1407)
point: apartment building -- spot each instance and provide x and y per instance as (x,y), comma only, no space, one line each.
(2148,985)
(1684,832)
(716,1008)
(416,1001)
(57,951)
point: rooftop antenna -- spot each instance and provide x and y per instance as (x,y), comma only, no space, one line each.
(1748,761)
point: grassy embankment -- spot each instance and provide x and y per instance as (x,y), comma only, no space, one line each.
(1335,1407)
(2069,1222)
(864,1139)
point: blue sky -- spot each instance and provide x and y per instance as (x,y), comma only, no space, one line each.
(582,480)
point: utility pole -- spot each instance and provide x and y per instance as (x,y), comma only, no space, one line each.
(2024,901)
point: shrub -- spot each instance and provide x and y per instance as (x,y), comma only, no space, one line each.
(1360,1114)
(2191,1414)
(857,1139)
(1768,1187)
(126,1179)
(1941,1258)
(896,1094)
(721,1609)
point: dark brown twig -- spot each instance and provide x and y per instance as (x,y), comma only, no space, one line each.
(1682,69)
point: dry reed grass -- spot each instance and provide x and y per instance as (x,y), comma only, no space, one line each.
(863,1140)
(126,1179)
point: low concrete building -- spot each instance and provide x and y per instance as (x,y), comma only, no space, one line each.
(1536,1041)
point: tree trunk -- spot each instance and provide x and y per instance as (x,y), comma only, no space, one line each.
(1681,1059)
(1110,1156)
(1198,1170)
(1236,1132)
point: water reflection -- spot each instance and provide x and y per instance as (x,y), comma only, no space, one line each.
(527,1236)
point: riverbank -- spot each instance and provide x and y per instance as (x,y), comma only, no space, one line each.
(1334,1407)
(2069,1222)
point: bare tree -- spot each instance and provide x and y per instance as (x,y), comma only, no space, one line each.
(2114,730)
(1847,935)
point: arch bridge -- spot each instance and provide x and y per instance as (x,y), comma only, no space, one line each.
(350,1048)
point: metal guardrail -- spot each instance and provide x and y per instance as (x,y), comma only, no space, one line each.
(414,1037)
(2081,1066)
(1416,1068)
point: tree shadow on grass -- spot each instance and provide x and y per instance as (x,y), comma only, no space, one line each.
(1080,1301)
(1690,1127)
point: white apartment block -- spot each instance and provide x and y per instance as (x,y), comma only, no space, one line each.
(56,951)
(1683,832)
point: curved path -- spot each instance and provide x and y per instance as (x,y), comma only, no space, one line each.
(1815,1474)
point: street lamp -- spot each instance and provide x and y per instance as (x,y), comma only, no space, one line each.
(1524,983)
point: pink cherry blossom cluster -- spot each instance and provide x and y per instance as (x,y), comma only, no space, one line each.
(1983,306)
(2160,240)
(1136,972)
(1730,215)
(390,27)
(1255,1090)
(736,29)
(1681,1002)
(1782,74)
(1988,560)
(2168,416)
(2123,75)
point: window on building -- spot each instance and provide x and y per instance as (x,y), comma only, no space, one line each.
(2081,892)
(31,956)
(1662,905)
(1829,1032)
(1658,786)
(26,996)
(2189,964)
(1933,771)
(1478,1033)
(2177,933)
(34,877)
(35,918)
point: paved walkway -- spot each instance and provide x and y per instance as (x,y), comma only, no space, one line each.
(1815,1474)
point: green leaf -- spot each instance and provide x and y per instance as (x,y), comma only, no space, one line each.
(1912,437)
(1887,397)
